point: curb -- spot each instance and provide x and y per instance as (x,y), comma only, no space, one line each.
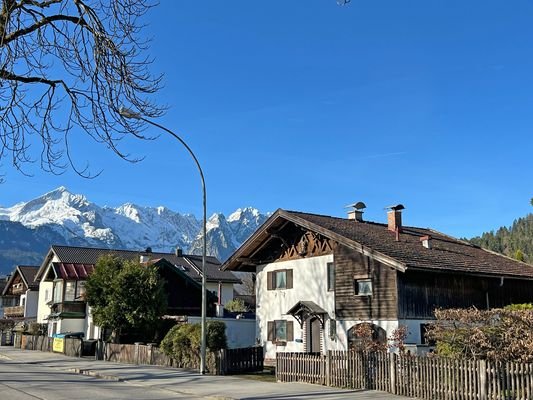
(95,374)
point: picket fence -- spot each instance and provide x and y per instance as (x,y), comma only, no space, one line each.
(430,378)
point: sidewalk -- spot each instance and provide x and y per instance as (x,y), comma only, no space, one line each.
(188,382)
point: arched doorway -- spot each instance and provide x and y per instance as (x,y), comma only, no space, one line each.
(365,335)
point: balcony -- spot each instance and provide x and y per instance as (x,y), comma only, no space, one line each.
(70,308)
(14,312)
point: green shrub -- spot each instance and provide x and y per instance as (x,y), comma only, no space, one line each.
(182,343)
(236,305)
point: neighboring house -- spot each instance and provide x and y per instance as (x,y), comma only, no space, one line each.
(65,269)
(320,276)
(7,301)
(21,292)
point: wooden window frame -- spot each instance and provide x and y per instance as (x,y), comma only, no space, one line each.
(271,279)
(356,287)
(330,271)
(272,328)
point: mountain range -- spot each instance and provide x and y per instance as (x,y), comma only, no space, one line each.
(28,229)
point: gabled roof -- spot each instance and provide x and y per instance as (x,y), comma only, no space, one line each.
(27,274)
(374,239)
(190,264)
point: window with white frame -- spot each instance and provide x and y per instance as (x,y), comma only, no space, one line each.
(362,287)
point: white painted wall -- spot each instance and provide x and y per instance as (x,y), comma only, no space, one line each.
(71,325)
(32,300)
(227,290)
(239,332)
(413,326)
(309,284)
(43,309)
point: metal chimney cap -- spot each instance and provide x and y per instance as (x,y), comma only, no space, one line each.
(395,207)
(358,206)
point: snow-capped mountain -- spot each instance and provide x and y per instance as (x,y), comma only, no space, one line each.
(74,220)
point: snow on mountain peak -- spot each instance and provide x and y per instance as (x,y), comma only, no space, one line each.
(130,226)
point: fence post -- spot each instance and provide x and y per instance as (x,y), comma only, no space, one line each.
(392,367)
(328,368)
(136,353)
(482,369)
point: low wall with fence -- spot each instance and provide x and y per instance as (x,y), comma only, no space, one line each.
(240,333)
(430,378)
(226,361)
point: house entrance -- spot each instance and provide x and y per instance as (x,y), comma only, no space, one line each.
(314,335)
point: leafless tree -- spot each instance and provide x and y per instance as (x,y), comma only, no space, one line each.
(66,67)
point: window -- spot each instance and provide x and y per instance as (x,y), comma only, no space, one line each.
(70,290)
(423,335)
(280,331)
(58,291)
(80,291)
(362,287)
(331,277)
(280,279)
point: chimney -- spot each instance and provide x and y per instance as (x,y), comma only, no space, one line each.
(426,241)
(145,256)
(394,217)
(357,212)
(178,252)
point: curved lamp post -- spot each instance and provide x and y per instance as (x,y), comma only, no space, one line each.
(126,113)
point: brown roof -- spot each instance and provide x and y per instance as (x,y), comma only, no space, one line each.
(447,253)
(27,273)
(190,264)
(72,271)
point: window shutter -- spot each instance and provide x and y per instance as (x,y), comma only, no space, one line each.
(289,279)
(290,331)
(271,331)
(270,279)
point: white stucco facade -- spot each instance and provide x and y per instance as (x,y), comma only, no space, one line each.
(44,297)
(309,284)
(227,290)
(30,300)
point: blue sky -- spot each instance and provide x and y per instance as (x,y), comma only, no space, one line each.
(309,106)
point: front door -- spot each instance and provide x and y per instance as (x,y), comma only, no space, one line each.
(314,335)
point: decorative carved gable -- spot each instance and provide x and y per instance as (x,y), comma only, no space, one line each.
(309,244)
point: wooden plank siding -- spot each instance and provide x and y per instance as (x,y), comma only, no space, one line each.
(381,305)
(420,292)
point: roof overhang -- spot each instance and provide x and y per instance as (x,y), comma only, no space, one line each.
(240,260)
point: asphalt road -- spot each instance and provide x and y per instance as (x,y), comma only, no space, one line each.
(22,381)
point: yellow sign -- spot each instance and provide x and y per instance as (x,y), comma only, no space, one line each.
(58,345)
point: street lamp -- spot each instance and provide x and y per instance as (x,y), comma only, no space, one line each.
(126,113)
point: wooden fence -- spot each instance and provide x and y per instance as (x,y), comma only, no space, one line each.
(238,361)
(227,361)
(430,378)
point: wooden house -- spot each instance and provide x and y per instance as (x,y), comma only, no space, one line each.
(65,269)
(21,293)
(318,277)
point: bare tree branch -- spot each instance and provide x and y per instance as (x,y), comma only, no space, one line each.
(68,66)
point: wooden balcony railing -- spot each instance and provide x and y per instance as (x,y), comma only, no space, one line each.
(17,311)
